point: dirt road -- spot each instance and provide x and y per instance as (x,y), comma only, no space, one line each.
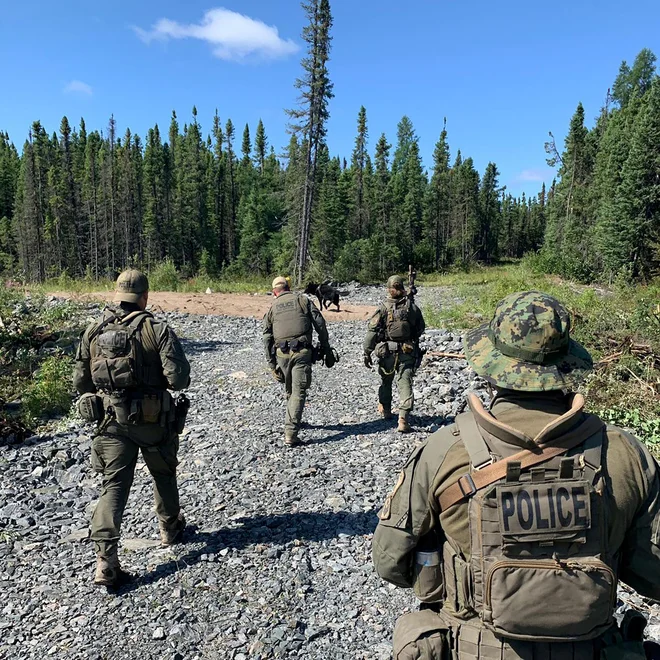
(229,304)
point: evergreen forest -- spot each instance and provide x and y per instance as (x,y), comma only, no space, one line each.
(218,199)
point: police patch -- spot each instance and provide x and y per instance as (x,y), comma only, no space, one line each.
(542,508)
(386,511)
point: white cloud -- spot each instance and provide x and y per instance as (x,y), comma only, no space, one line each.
(78,87)
(231,35)
(534,175)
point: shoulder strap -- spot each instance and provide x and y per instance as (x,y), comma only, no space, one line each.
(303,303)
(473,440)
(150,338)
(100,326)
(470,483)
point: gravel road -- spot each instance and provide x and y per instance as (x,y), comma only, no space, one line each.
(276,561)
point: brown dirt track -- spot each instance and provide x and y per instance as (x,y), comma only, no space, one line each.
(230,304)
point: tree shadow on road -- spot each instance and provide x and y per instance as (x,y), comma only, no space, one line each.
(276,529)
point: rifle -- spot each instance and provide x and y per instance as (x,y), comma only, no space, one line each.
(412,289)
(412,292)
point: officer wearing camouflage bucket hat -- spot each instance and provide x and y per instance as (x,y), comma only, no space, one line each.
(514,524)
(125,365)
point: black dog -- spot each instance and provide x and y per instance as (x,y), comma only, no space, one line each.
(326,293)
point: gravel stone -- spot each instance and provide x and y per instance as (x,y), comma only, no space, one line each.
(276,561)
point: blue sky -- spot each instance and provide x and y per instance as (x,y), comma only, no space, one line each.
(503,74)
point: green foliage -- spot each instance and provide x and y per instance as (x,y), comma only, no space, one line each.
(606,321)
(646,428)
(50,392)
(164,276)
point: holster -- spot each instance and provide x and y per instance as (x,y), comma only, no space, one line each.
(181,407)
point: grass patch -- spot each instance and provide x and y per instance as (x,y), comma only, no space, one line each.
(36,341)
(49,392)
(623,391)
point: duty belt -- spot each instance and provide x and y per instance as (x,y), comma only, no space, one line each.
(294,345)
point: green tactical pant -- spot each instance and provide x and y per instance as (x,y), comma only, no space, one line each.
(399,367)
(297,370)
(114,455)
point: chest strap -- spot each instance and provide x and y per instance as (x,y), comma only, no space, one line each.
(470,483)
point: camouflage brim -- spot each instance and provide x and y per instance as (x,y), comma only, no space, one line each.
(515,374)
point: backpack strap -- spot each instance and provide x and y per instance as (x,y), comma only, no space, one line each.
(474,442)
(470,483)
(150,338)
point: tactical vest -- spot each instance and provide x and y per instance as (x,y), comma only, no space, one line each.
(291,319)
(124,354)
(397,320)
(539,570)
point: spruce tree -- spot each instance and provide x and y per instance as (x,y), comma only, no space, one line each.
(309,119)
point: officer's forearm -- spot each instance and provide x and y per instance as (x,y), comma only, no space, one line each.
(370,342)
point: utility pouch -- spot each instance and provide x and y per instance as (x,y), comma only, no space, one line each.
(296,345)
(151,407)
(382,350)
(113,373)
(284,346)
(420,636)
(121,407)
(458,584)
(90,407)
(181,407)
(428,582)
(407,348)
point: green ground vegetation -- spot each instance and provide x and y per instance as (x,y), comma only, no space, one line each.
(36,344)
(619,325)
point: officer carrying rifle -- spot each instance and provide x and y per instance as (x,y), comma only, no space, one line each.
(393,335)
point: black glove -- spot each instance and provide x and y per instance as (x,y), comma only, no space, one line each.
(367,361)
(278,375)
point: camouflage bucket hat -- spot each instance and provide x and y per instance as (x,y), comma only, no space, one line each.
(131,286)
(527,345)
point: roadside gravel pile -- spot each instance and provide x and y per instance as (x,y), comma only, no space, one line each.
(276,561)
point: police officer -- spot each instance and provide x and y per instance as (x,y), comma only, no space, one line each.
(287,335)
(125,365)
(393,335)
(514,524)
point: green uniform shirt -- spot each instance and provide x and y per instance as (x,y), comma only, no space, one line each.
(631,500)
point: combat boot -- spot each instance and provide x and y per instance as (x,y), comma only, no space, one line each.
(291,439)
(384,412)
(403,427)
(171,534)
(109,573)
